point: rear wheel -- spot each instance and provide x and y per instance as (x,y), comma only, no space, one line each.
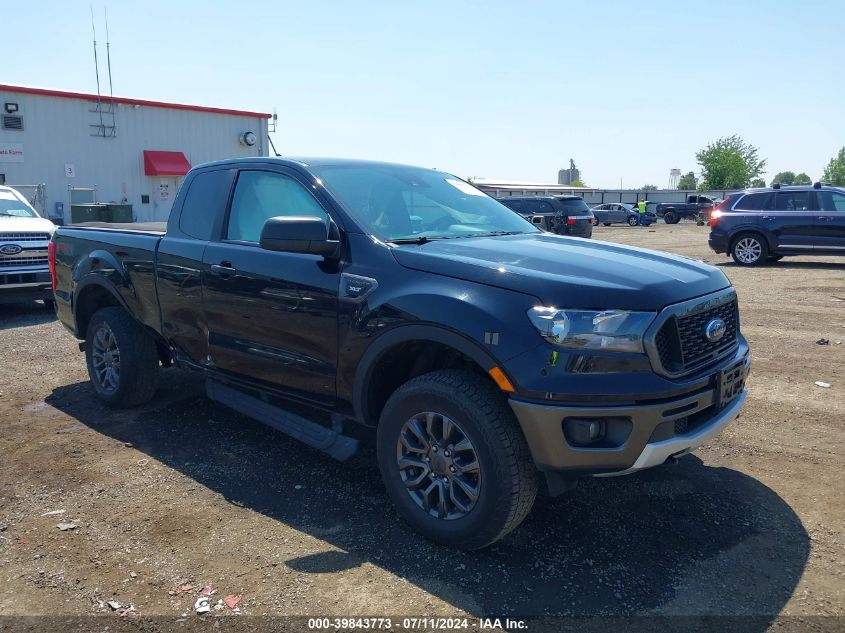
(122,359)
(454,460)
(633,220)
(749,249)
(670,217)
(606,223)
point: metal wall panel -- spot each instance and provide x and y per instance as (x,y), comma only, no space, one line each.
(61,148)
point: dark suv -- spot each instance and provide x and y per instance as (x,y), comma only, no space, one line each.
(564,215)
(763,225)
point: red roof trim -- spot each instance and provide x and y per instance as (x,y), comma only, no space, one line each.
(141,102)
(159,163)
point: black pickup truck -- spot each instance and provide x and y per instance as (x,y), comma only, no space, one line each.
(490,358)
(696,208)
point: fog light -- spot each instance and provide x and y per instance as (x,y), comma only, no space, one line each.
(584,431)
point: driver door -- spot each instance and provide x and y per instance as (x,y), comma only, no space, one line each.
(272,317)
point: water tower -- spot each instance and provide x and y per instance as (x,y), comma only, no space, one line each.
(674,178)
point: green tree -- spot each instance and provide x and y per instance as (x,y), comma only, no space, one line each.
(834,173)
(802,179)
(649,187)
(729,163)
(784,178)
(688,181)
(577,183)
(758,182)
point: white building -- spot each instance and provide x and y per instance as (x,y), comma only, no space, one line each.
(62,148)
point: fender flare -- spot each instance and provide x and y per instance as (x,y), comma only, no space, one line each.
(101,282)
(403,334)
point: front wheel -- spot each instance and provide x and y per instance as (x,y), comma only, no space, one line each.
(606,223)
(749,250)
(122,359)
(670,217)
(454,460)
(633,220)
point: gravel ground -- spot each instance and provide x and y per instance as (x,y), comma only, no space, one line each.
(183,492)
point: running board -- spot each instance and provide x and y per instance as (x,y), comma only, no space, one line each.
(339,446)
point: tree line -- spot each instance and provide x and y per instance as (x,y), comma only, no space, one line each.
(731,163)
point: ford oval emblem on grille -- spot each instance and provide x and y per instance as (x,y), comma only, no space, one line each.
(715,330)
(10,249)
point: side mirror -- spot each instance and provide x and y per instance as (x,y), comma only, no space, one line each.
(297,234)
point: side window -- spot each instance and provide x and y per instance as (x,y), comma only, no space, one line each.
(792,201)
(544,207)
(830,201)
(261,195)
(205,201)
(754,202)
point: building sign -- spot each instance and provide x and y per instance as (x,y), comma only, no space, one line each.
(11,152)
(164,191)
(70,170)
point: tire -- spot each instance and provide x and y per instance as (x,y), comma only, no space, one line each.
(749,249)
(606,223)
(633,220)
(505,479)
(670,217)
(50,305)
(129,379)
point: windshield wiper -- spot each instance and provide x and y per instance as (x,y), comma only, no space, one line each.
(493,233)
(422,239)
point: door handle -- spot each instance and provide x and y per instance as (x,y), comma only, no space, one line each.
(825,218)
(768,217)
(223,269)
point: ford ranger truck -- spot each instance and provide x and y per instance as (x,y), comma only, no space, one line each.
(24,240)
(491,359)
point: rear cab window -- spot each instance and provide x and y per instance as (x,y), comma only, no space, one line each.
(205,202)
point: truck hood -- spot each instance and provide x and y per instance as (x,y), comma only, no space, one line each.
(25,225)
(568,272)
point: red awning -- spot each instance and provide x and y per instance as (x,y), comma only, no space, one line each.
(158,163)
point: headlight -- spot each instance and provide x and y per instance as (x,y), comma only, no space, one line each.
(610,330)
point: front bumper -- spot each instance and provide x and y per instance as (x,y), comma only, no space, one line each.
(638,436)
(25,285)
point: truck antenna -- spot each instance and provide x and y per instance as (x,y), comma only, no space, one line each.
(96,67)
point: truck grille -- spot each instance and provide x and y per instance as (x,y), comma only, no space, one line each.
(682,346)
(23,260)
(24,237)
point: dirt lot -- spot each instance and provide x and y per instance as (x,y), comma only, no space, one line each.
(184,492)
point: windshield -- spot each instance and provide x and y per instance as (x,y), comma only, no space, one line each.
(11,206)
(409,203)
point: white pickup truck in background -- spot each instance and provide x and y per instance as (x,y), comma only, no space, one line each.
(24,241)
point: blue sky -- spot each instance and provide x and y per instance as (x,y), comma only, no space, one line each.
(487,89)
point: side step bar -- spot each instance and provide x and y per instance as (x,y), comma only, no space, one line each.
(339,446)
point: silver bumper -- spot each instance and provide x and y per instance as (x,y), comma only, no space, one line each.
(657,453)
